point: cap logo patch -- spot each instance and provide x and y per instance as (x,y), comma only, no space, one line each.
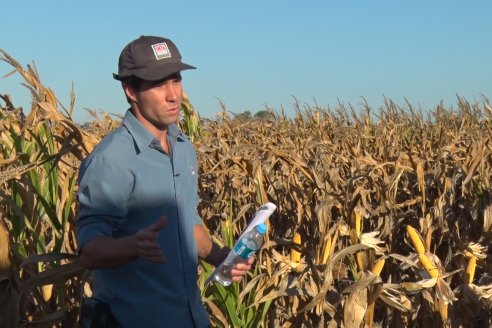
(161,51)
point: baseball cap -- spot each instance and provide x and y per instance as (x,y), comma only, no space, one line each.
(150,58)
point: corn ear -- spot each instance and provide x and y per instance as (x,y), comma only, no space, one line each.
(443,310)
(334,242)
(418,244)
(295,256)
(5,265)
(473,252)
(470,269)
(378,266)
(429,266)
(370,315)
(361,258)
(47,291)
(376,269)
(326,250)
(358,224)
(416,239)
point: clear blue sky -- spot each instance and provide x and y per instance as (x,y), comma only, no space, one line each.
(255,53)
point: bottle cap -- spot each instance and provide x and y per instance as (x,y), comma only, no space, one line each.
(261,228)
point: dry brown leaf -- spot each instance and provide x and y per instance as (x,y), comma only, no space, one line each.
(355,308)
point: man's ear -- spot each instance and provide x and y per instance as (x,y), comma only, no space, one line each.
(129,92)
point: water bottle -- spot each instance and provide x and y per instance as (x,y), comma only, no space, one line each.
(244,248)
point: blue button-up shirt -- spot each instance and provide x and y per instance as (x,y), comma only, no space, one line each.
(126,184)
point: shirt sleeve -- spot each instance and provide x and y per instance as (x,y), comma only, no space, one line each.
(104,191)
(197,218)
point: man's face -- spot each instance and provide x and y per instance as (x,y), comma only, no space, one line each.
(157,104)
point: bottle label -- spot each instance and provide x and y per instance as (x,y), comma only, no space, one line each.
(242,250)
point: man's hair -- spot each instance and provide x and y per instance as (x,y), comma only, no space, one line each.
(134,82)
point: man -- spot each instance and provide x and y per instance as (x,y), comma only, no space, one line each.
(138,227)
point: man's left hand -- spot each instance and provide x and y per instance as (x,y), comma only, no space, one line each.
(240,269)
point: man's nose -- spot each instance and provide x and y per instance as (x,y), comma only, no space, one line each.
(172,92)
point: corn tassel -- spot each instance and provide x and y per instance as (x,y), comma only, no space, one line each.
(295,256)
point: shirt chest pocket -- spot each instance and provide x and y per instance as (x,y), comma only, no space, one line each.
(186,181)
(154,181)
(185,175)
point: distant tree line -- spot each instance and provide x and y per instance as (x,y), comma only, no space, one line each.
(262,114)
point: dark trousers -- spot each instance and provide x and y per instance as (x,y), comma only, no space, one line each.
(96,314)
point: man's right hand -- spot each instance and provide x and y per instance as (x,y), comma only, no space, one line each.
(147,246)
(108,252)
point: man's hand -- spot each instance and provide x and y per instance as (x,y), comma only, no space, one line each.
(108,252)
(147,246)
(240,269)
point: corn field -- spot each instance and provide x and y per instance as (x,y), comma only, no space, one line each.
(384,217)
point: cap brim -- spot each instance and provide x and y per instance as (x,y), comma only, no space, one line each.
(157,72)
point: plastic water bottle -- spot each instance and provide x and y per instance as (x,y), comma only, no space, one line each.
(244,248)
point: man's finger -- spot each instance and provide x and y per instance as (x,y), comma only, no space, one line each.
(156,227)
(150,251)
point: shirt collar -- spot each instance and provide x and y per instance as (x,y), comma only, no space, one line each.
(142,137)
